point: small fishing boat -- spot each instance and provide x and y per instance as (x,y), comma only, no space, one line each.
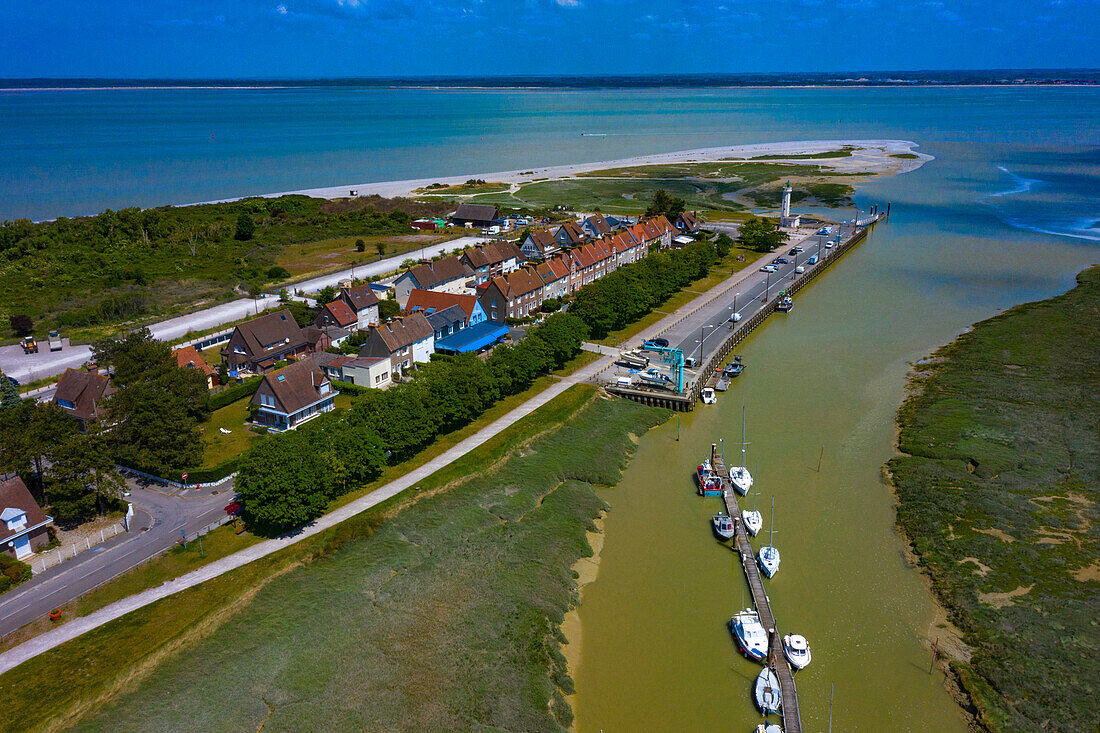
(797,650)
(739,475)
(709,484)
(767,693)
(734,368)
(785,304)
(750,635)
(769,556)
(708,396)
(722,525)
(723,383)
(771,728)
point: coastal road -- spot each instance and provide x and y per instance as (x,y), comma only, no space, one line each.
(157,524)
(30,367)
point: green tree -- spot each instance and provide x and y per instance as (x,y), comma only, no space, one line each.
(761,235)
(360,245)
(388,308)
(282,483)
(664,203)
(277,273)
(326,295)
(21,324)
(9,393)
(380,247)
(246,228)
(155,413)
(223,373)
(83,481)
(723,244)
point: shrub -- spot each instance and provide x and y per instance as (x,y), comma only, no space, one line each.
(234,393)
(277,273)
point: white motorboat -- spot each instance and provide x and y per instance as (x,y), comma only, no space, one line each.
(708,396)
(750,635)
(772,728)
(797,650)
(767,693)
(739,475)
(769,556)
(722,525)
(754,521)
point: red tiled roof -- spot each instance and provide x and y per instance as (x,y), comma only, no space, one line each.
(188,357)
(85,390)
(432,300)
(14,494)
(341,313)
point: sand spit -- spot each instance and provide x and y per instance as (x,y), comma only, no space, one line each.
(873,156)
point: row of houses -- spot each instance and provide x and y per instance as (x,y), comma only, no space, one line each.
(565,271)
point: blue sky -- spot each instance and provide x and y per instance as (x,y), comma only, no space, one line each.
(325,38)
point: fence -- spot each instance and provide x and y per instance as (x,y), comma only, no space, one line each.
(175,484)
(57,555)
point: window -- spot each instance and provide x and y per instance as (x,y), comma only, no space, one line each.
(67,404)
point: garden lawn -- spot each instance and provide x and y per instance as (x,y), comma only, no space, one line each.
(216,445)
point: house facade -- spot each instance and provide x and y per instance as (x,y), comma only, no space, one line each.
(430,301)
(255,346)
(24,527)
(290,396)
(491,260)
(596,225)
(570,234)
(539,245)
(448,275)
(516,296)
(336,314)
(405,341)
(368,371)
(363,303)
(81,395)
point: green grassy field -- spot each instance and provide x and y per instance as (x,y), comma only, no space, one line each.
(998,494)
(218,446)
(438,610)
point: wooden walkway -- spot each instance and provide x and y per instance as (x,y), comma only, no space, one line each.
(792,721)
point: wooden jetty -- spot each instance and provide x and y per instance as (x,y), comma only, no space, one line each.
(792,721)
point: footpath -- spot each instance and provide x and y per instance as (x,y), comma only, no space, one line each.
(55,637)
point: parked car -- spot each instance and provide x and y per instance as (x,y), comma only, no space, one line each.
(769,268)
(735,317)
(780,261)
(795,250)
(689,363)
(828,245)
(663,343)
(800,269)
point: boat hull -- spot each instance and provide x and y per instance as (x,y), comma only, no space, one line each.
(767,692)
(756,653)
(798,659)
(722,534)
(768,565)
(753,522)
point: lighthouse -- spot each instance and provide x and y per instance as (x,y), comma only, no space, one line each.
(786,220)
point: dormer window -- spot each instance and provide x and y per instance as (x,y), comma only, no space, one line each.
(67,404)
(14,518)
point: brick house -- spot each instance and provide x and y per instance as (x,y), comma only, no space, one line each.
(491,260)
(292,395)
(405,341)
(363,303)
(448,275)
(81,395)
(256,345)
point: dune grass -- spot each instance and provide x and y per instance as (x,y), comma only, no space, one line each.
(998,493)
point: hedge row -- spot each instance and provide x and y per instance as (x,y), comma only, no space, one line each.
(235,392)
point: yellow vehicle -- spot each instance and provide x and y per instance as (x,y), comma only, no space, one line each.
(30,345)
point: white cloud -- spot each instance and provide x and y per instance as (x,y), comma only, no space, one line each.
(281,9)
(567,3)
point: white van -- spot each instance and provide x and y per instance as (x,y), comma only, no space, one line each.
(800,269)
(624,381)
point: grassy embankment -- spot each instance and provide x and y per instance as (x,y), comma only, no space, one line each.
(224,541)
(727,186)
(998,494)
(438,610)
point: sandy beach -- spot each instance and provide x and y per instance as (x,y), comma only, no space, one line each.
(873,156)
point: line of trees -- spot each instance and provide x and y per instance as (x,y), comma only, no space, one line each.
(281,485)
(625,295)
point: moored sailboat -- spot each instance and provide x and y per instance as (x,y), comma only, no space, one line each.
(767,693)
(752,518)
(769,556)
(739,475)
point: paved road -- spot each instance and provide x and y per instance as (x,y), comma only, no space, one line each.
(30,367)
(159,517)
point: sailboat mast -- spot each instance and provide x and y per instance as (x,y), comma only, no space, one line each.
(742,435)
(773,523)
